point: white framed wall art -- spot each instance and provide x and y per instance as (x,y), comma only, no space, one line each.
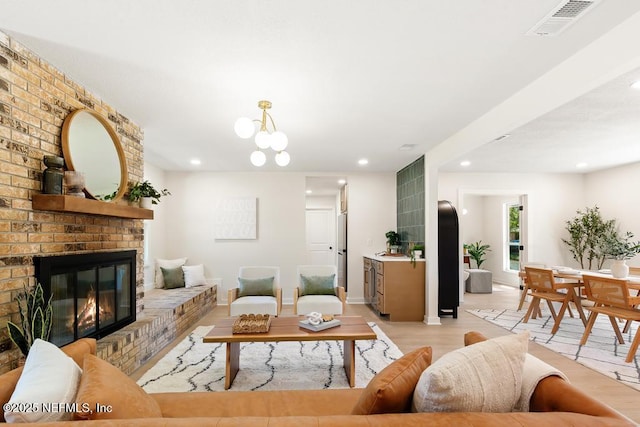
(236,219)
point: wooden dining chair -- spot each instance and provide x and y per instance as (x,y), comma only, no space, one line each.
(633,271)
(611,297)
(525,284)
(544,287)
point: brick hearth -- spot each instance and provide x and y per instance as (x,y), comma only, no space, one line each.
(167,314)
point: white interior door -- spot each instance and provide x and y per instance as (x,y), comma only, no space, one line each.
(321,236)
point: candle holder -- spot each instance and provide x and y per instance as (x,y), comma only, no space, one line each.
(74,183)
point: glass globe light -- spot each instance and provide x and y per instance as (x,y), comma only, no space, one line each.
(283,158)
(279,141)
(244,127)
(263,139)
(258,158)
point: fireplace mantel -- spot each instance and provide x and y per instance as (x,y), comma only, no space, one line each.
(52,202)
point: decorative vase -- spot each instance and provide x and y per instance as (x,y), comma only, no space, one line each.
(146,203)
(52,176)
(74,183)
(619,269)
(417,253)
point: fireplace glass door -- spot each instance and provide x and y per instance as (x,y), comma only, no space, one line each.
(89,299)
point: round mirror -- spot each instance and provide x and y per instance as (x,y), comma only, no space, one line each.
(91,146)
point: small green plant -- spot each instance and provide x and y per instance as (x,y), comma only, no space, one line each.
(620,247)
(138,190)
(412,253)
(477,252)
(393,238)
(35,318)
(393,241)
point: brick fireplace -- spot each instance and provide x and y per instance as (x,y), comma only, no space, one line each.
(35,98)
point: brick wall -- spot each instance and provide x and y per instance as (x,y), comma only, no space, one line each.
(35,98)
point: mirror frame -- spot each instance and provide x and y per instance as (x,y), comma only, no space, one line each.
(68,157)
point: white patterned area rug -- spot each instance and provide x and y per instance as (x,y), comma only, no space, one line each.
(602,352)
(195,366)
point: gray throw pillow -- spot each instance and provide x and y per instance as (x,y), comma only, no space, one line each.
(255,287)
(317,285)
(173,277)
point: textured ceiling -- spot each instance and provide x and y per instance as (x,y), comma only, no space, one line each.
(348,80)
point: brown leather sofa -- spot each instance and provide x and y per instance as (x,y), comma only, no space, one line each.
(554,402)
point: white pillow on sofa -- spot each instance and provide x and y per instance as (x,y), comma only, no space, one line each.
(483,377)
(49,376)
(194,275)
(166,263)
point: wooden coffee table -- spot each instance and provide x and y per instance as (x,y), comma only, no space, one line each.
(286,329)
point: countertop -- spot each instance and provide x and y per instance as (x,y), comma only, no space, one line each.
(392,258)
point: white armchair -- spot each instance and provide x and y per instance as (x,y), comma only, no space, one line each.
(305,303)
(255,293)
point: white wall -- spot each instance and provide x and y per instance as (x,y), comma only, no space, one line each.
(553,199)
(471,224)
(155,244)
(494,235)
(615,192)
(188,230)
(371,213)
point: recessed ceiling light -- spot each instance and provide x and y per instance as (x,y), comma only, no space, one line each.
(195,162)
(342,181)
(465,163)
(581,165)
(309,191)
(363,162)
(636,85)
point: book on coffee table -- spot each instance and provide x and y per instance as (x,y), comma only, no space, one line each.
(321,327)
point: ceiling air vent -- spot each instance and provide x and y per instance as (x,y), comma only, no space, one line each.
(562,16)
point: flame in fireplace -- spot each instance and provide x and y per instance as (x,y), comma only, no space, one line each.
(87,314)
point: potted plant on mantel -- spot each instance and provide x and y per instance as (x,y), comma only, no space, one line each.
(36,315)
(619,248)
(145,194)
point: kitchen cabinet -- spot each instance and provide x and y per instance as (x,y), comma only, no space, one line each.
(394,287)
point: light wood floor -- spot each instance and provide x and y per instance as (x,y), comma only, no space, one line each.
(448,336)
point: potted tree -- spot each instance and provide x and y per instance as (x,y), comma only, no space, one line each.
(619,248)
(146,194)
(585,237)
(477,252)
(35,318)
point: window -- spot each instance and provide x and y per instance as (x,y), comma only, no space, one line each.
(512,241)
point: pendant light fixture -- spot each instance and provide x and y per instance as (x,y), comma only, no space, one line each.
(266,137)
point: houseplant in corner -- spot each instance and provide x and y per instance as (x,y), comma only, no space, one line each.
(477,252)
(146,194)
(619,248)
(35,318)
